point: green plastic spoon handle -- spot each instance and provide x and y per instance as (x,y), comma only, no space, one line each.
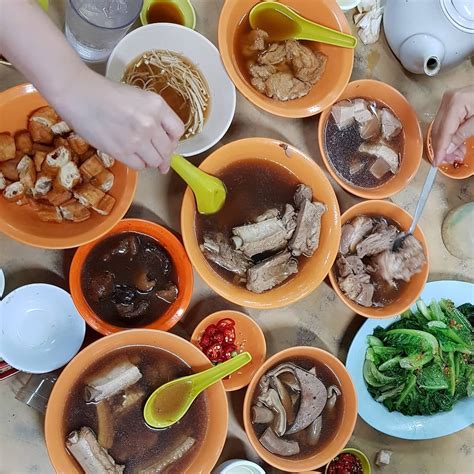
(310,31)
(211,376)
(190,173)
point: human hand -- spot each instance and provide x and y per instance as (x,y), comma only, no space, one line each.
(134,126)
(454,123)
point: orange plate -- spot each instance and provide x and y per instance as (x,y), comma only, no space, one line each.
(217,421)
(349,400)
(411,290)
(338,67)
(412,151)
(249,338)
(180,261)
(308,172)
(21,223)
(466,170)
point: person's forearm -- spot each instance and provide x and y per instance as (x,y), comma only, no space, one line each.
(38,49)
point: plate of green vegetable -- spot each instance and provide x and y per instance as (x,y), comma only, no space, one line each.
(414,373)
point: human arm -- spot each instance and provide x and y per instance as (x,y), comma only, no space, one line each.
(136,127)
(454,123)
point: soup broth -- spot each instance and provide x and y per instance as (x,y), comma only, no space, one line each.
(164,12)
(132,442)
(331,418)
(342,148)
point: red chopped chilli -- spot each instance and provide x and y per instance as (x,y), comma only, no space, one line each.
(345,463)
(218,341)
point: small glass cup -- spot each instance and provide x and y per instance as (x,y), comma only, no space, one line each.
(37,389)
(94,27)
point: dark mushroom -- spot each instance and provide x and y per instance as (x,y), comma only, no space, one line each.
(144,283)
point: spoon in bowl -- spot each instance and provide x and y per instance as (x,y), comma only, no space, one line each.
(282,23)
(170,402)
(209,191)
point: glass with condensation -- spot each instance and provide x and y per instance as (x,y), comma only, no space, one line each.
(94,27)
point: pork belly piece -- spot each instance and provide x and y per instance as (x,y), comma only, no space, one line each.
(343,114)
(307,65)
(7,147)
(358,288)
(351,265)
(362,113)
(382,239)
(274,54)
(264,236)
(391,126)
(23,142)
(91,456)
(369,122)
(14,192)
(271,272)
(381,150)
(92,167)
(74,211)
(401,265)
(27,172)
(305,239)
(104,181)
(284,86)
(354,232)
(216,249)
(380,168)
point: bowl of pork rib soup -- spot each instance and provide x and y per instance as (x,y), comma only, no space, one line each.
(370,140)
(276,237)
(371,276)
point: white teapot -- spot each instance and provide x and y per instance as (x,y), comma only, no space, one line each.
(430,35)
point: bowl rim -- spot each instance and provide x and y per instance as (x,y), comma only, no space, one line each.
(198,36)
(77,265)
(51,242)
(217,389)
(253,301)
(230,385)
(377,192)
(337,367)
(361,209)
(81,326)
(359,454)
(279,108)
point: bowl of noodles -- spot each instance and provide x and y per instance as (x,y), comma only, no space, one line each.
(185,68)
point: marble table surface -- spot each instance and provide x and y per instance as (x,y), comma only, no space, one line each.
(320,320)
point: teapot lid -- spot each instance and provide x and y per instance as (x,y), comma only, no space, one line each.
(460,13)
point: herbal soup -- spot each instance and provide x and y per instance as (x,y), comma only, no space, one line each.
(129,280)
(297,408)
(268,224)
(104,426)
(364,142)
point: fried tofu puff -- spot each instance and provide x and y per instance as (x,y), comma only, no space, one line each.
(23,142)
(74,211)
(7,147)
(14,192)
(27,172)
(40,123)
(77,144)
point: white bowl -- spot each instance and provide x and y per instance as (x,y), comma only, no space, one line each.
(40,328)
(239,466)
(203,54)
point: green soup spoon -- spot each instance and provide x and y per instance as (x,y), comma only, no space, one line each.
(209,191)
(170,402)
(282,23)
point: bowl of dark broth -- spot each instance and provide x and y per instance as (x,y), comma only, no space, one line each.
(95,421)
(138,275)
(300,409)
(276,236)
(370,140)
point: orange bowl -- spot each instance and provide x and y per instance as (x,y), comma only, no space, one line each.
(249,338)
(411,290)
(306,171)
(21,223)
(465,170)
(180,261)
(412,149)
(349,417)
(217,422)
(338,67)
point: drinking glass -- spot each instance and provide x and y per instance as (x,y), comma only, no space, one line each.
(94,27)
(37,389)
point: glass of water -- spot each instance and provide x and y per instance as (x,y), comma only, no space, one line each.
(94,27)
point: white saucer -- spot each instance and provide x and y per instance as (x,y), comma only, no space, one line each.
(40,328)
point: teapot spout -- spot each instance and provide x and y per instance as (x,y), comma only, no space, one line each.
(422,54)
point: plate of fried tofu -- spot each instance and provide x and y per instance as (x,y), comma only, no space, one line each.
(56,190)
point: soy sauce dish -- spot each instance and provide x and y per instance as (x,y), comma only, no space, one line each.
(138,275)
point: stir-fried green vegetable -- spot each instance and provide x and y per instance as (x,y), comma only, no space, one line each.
(423,363)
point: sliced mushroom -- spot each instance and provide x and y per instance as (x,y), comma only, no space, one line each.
(278,446)
(262,415)
(333,393)
(314,431)
(271,400)
(285,399)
